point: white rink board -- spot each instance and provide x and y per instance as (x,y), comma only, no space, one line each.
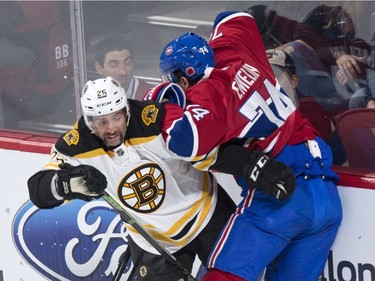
(352,256)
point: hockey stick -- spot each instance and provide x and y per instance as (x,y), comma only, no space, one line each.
(128,218)
(123,261)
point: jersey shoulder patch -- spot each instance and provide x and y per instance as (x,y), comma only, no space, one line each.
(78,140)
(146,119)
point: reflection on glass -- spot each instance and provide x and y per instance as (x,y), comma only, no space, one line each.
(329,43)
(36,62)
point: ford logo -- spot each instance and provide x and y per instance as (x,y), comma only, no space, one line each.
(76,241)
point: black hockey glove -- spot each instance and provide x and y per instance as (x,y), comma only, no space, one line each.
(273,177)
(259,13)
(82,182)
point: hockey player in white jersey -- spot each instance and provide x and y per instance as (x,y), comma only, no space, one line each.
(117,146)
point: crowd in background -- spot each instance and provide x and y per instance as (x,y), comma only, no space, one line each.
(335,66)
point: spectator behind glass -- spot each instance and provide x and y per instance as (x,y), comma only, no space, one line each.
(326,33)
(285,71)
(371,66)
(11,16)
(114,57)
(366,97)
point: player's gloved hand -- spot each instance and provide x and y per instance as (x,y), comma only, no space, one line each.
(168,91)
(82,182)
(273,177)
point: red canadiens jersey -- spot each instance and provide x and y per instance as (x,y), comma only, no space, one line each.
(238,100)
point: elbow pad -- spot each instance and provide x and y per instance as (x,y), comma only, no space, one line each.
(167,92)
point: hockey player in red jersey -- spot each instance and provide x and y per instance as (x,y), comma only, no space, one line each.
(232,96)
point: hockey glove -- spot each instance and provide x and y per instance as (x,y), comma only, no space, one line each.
(82,182)
(273,177)
(259,13)
(170,92)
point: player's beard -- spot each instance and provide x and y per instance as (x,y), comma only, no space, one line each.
(113,139)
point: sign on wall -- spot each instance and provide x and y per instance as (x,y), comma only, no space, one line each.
(84,240)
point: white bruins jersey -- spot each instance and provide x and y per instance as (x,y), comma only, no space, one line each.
(171,199)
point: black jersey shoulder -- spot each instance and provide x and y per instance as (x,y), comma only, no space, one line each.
(78,140)
(146,119)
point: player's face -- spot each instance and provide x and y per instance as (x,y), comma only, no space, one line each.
(184,83)
(111,128)
(119,65)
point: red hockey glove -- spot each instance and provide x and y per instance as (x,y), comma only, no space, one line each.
(168,91)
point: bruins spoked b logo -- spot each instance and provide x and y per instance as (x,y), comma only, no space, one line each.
(143,189)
